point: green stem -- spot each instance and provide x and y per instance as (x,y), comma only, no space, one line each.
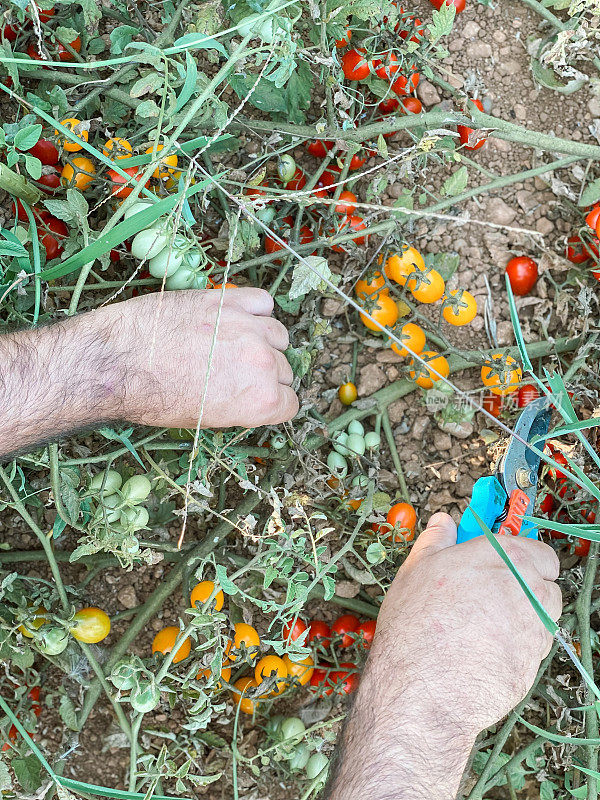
(389,435)
(55,484)
(546,14)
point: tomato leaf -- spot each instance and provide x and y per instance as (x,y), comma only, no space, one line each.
(120,37)
(456,183)
(309,274)
(197,41)
(27,137)
(591,194)
(189,85)
(442,22)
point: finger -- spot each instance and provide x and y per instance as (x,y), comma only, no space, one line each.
(440,533)
(552,599)
(533,553)
(276,333)
(285,374)
(286,407)
(254,301)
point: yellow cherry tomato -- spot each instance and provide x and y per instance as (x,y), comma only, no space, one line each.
(79,174)
(90,625)
(412,336)
(501,374)
(166,165)
(72,124)
(117,148)
(245,685)
(347,393)
(370,284)
(302,670)
(35,622)
(427,287)
(384,310)
(271,665)
(422,375)
(164,642)
(460,307)
(399,266)
(202,591)
(246,635)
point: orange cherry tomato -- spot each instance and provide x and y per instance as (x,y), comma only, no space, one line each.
(402,518)
(400,266)
(460,307)
(166,165)
(247,636)
(117,148)
(35,622)
(301,670)
(501,374)
(413,337)
(383,310)
(347,393)
(79,174)
(204,674)
(269,666)
(164,641)
(492,403)
(202,591)
(90,625)
(79,128)
(371,283)
(339,43)
(243,686)
(422,374)
(427,287)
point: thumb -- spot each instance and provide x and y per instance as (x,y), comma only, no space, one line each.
(439,534)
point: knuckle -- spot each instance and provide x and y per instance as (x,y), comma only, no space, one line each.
(264,358)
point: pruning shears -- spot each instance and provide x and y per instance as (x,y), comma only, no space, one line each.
(501,500)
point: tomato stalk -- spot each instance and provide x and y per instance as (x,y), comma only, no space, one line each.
(389,435)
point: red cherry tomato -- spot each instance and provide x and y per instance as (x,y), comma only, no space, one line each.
(40,214)
(66,55)
(320,681)
(123,186)
(367,629)
(298,181)
(582,547)
(593,216)
(320,148)
(389,105)
(46,14)
(292,630)
(8,33)
(350,680)
(522,273)
(526,395)
(459,5)
(49,182)
(547,503)
(327,179)
(318,632)
(465,132)
(346,204)
(578,251)
(492,404)
(33,52)
(355,65)
(560,458)
(345,625)
(45,150)
(412,105)
(356,223)
(402,85)
(357,161)
(387,67)
(52,231)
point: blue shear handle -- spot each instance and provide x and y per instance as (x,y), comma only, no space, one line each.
(488,501)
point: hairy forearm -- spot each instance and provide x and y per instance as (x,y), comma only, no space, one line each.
(57,379)
(398,747)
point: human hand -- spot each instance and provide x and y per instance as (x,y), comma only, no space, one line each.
(457,627)
(166,341)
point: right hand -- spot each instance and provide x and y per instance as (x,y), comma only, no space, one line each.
(165,342)
(457,628)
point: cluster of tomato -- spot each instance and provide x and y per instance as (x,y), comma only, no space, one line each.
(33,697)
(585,247)
(51,637)
(351,443)
(120,504)
(291,745)
(407,269)
(346,631)
(53,48)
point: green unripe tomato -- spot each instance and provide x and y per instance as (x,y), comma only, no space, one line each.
(52,640)
(167,262)
(286,167)
(149,243)
(273,726)
(136,208)
(339,440)
(136,489)
(192,258)
(186,278)
(266,215)
(361,481)
(134,518)
(299,757)
(337,465)
(355,444)
(292,727)
(123,675)
(278,441)
(316,765)
(145,697)
(110,508)
(372,440)
(356,427)
(113,482)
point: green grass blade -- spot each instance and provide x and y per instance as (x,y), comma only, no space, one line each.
(557,737)
(102,791)
(590,531)
(514,318)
